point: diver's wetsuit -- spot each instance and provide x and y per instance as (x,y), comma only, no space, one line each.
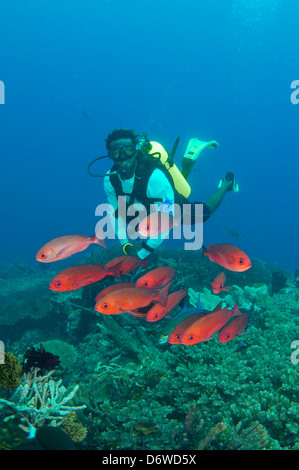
(158,189)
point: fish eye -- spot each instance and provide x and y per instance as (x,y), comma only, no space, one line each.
(43,255)
(190,338)
(58,284)
(241,261)
(156,316)
(147,227)
(105,306)
(145,284)
(221,286)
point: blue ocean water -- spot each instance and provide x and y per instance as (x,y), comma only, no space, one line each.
(74,71)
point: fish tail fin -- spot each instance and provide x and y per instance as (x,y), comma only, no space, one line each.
(144,263)
(184,309)
(236,311)
(218,306)
(99,238)
(162,294)
(115,270)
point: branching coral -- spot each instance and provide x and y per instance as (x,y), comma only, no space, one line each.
(41,399)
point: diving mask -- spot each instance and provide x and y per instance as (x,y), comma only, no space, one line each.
(120,153)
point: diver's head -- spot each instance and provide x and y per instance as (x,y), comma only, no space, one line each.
(121,146)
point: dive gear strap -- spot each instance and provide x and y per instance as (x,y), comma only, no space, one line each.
(146,247)
(125,246)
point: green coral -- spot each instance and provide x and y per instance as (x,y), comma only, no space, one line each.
(67,352)
(10,371)
(142,395)
(246,298)
(250,381)
(208,300)
(75,429)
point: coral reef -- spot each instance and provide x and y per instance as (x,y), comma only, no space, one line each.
(75,430)
(39,399)
(134,393)
(29,297)
(246,298)
(10,371)
(66,352)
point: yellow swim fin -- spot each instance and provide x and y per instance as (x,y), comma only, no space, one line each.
(193,150)
(196,146)
(180,183)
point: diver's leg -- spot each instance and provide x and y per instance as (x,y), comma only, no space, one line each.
(214,201)
(190,213)
(187,166)
(228,184)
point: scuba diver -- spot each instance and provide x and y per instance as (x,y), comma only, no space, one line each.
(141,178)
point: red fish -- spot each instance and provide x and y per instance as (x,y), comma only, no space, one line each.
(156,278)
(129,299)
(218,283)
(175,336)
(187,321)
(157,223)
(120,285)
(127,263)
(233,328)
(137,313)
(205,327)
(142,311)
(63,247)
(228,256)
(158,311)
(81,275)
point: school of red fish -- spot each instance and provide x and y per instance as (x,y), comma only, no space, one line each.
(148,297)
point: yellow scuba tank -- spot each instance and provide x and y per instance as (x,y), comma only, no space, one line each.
(179,181)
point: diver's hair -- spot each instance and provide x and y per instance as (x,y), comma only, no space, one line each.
(121,134)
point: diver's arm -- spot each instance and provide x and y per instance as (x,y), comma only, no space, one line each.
(160,188)
(117,223)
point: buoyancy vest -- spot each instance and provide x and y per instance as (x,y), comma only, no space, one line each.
(180,184)
(142,176)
